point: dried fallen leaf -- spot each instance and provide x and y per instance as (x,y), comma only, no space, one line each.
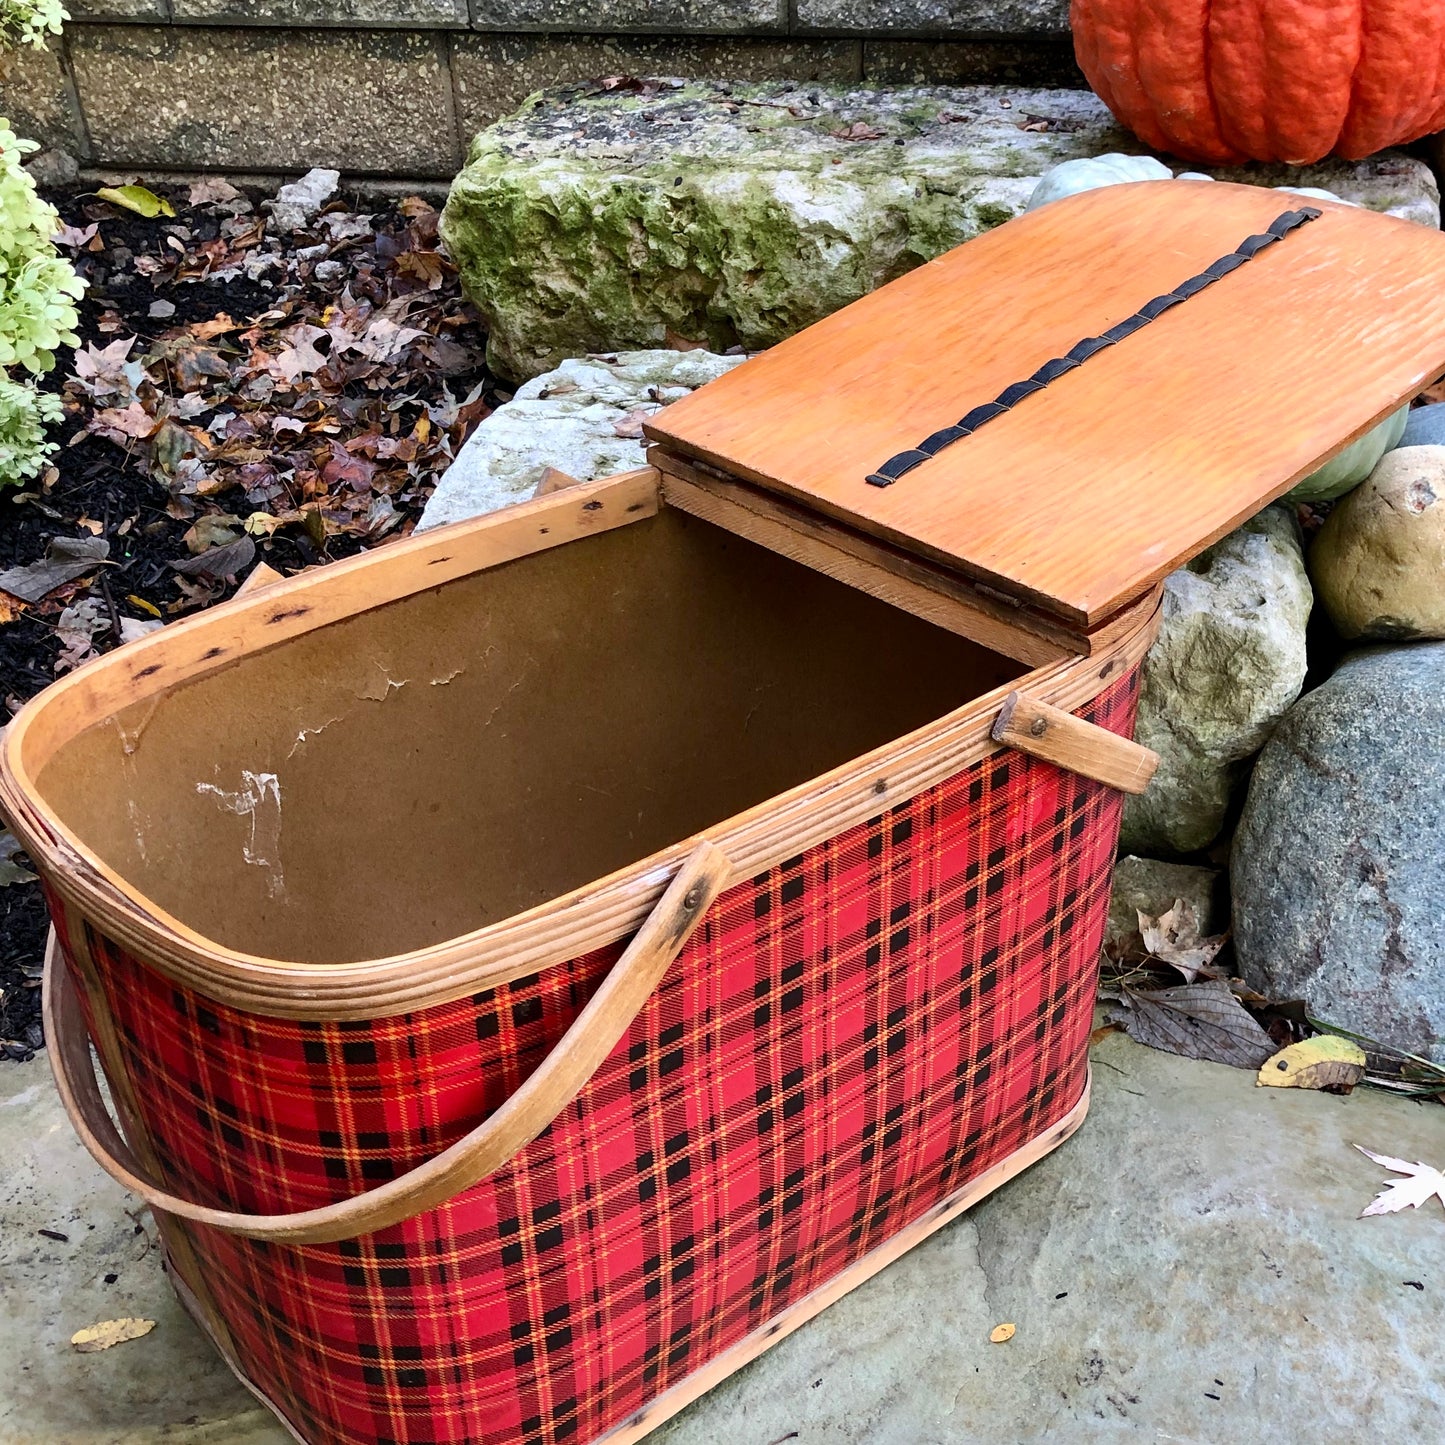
(1325,1062)
(66,558)
(631,424)
(138,199)
(1173,938)
(675,341)
(75,236)
(214,529)
(128,421)
(1195,1020)
(1410,1193)
(1001,1334)
(225,561)
(218,325)
(859,130)
(210,189)
(109,1332)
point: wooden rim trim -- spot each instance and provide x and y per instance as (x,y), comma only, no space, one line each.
(748,1349)
(576,923)
(549,1089)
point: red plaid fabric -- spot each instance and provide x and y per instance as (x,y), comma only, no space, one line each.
(848,1039)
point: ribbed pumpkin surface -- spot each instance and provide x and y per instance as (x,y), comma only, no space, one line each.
(1226,81)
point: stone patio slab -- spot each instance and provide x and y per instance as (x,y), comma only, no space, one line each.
(1188,1268)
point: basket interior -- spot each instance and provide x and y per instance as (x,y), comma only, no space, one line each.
(441,762)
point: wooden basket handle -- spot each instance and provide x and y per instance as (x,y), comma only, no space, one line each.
(594,1033)
(1077,746)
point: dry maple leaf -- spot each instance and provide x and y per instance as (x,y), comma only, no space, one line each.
(129,421)
(104,370)
(1173,938)
(211,189)
(1409,1193)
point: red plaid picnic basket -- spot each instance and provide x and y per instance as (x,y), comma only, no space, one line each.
(717,912)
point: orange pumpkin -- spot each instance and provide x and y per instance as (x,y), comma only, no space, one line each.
(1226,81)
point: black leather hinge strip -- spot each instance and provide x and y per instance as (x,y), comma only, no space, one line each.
(1250,247)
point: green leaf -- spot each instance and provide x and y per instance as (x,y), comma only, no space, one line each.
(138,199)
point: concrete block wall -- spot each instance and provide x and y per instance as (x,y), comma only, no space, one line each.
(398,87)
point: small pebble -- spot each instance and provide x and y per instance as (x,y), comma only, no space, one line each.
(162,309)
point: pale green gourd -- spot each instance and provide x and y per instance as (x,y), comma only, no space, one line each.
(1346,471)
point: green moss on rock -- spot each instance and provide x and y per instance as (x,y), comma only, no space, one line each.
(735,215)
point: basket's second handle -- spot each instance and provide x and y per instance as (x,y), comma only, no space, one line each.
(593,1035)
(1070,743)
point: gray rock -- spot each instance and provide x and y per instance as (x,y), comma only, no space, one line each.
(1378,564)
(566,419)
(596,220)
(1339,892)
(1229,661)
(1146,885)
(53,167)
(298,203)
(1425,427)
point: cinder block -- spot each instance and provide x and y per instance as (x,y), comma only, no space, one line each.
(495,73)
(267,99)
(402,14)
(669,17)
(38,99)
(141,11)
(1033,61)
(956,18)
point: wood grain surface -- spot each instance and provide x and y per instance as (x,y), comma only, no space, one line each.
(1088,492)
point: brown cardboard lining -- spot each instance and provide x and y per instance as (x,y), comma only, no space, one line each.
(444,761)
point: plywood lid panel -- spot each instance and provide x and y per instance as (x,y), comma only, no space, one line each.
(1086,493)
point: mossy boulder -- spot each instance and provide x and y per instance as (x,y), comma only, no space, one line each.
(736,214)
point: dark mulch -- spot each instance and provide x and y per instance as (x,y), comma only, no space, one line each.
(295,395)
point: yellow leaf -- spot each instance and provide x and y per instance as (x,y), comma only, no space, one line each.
(138,199)
(1001,1334)
(108,1333)
(262,524)
(1324,1062)
(144,606)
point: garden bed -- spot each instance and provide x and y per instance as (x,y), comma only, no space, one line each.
(243,393)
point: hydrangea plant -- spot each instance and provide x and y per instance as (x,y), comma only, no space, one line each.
(28,22)
(38,292)
(25,412)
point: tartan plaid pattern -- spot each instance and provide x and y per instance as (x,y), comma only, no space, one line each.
(847,1040)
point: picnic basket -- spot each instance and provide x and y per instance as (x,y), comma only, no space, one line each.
(539,964)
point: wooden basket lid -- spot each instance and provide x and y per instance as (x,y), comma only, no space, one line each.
(1081,495)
